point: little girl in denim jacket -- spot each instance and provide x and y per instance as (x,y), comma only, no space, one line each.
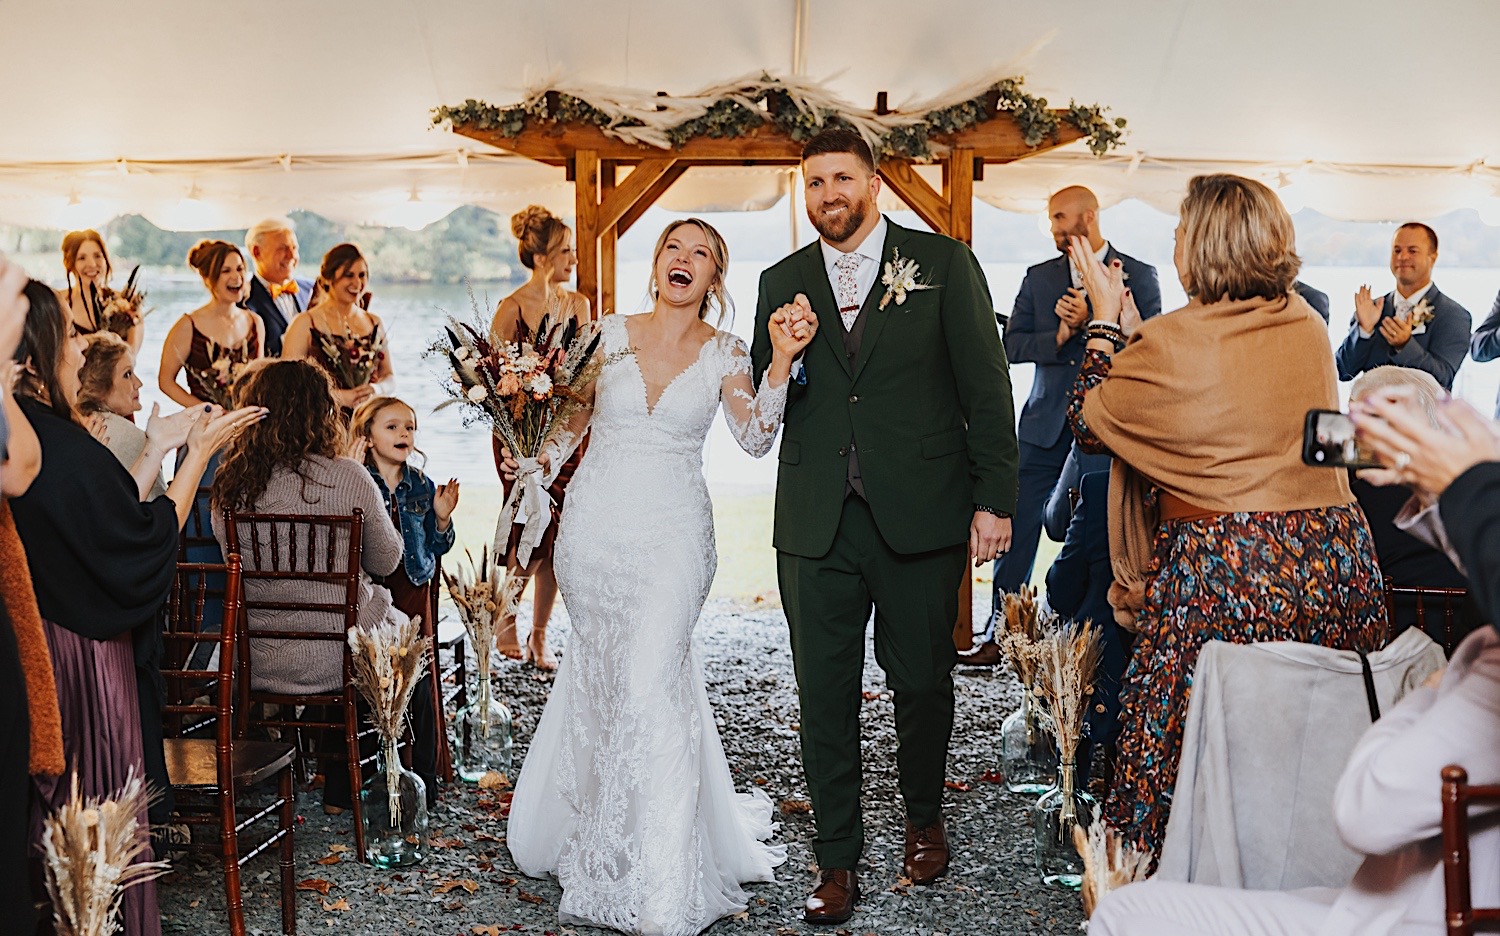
(382,435)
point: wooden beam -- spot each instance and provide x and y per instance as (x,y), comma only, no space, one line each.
(960,192)
(586,216)
(918,195)
(620,199)
(650,196)
(608,236)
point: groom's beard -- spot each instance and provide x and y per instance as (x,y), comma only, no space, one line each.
(835,231)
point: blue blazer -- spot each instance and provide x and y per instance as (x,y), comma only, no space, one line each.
(261,303)
(1485,345)
(1031,335)
(1058,511)
(1316,298)
(1439,350)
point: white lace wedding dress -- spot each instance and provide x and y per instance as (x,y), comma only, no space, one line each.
(625,793)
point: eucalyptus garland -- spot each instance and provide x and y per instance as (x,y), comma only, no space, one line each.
(795,110)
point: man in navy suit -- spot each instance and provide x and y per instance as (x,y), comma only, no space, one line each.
(1414,326)
(1485,345)
(1316,298)
(1046,328)
(274,294)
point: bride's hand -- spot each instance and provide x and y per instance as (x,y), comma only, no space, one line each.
(792,329)
(509,466)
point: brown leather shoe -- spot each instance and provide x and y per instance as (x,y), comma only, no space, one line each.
(926,853)
(986,654)
(832,901)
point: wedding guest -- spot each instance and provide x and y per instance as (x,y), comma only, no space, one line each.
(101,562)
(211,344)
(292,465)
(1207,466)
(545,245)
(87,259)
(382,437)
(1046,328)
(1414,326)
(1387,804)
(339,334)
(1316,298)
(109,393)
(275,294)
(1064,497)
(1484,346)
(1405,560)
(20,456)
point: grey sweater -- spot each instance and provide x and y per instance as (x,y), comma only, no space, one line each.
(331,486)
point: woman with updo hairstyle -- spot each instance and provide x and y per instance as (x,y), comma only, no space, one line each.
(545,245)
(338,333)
(86,263)
(212,343)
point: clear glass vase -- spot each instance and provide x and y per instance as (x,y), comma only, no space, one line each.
(394,803)
(1027,754)
(484,736)
(1059,810)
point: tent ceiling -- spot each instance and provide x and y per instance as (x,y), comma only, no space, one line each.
(1373,110)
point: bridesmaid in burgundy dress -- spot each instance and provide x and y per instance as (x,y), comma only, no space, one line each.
(546,249)
(214,342)
(339,334)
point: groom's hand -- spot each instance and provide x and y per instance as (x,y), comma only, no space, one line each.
(989,537)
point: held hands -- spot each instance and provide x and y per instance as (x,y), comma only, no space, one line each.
(792,327)
(1105,285)
(445,501)
(989,537)
(1395,332)
(1367,309)
(1392,425)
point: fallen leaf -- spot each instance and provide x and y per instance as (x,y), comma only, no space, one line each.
(341,905)
(742,915)
(761,781)
(530,898)
(992,776)
(195,904)
(315,884)
(869,696)
(451,885)
(480,929)
(795,806)
(338,849)
(328,860)
(508,882)
(494,780)
(957,785)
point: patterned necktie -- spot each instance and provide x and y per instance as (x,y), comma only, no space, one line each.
(1403,307)
(848,269)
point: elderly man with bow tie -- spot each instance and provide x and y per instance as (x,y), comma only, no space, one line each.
(274,294)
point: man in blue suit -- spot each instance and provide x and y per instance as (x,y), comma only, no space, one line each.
(275,295)
(1485,345)
(1315,297)
(1414,326)
(1046,328)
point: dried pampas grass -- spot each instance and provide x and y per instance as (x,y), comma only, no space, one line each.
(1108,863)
(1024,624)
(389,658)
(1066,660)
(485,594)
(90,848)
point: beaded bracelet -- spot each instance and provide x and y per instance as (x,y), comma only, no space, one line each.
(1107,331)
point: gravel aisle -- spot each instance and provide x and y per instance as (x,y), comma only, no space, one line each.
(468,886)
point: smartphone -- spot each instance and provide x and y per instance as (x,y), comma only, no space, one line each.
(1329,441)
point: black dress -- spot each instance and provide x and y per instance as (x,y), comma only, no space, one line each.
(15,784)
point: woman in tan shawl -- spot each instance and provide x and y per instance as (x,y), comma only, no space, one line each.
(1218,531)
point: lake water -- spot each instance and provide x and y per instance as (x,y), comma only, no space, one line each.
(414,316)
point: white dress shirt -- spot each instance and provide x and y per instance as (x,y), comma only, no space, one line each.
(286,302)
(871,251)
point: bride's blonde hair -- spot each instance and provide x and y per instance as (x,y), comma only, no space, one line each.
(718,291)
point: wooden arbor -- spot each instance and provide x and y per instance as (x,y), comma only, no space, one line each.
(607,204)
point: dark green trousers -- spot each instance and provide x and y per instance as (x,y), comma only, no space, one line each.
(828,602)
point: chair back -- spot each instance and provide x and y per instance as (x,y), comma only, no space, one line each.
(1458,793)
(1434,601)
(192,595)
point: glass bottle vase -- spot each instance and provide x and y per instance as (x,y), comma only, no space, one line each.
(484,736)
(1056,813)
(1028,756)
(394,804)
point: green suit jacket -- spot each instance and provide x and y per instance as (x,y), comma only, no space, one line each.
(927,403)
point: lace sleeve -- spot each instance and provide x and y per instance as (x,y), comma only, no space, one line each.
(753,418)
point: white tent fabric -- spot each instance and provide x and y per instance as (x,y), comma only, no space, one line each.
(204,116)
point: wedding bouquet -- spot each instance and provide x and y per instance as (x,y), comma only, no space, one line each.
(388,659)
(485,594)
(121,311)
(217,379)
(354,359)
(89,849)
(526,390)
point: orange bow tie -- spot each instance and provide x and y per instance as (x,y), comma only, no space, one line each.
(289,287)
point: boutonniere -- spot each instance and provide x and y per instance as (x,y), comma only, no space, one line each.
(900,278)
(1421,314)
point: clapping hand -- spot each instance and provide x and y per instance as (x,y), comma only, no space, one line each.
(1426,458)
(165,433)
(445,501)
(357,449)
(1105,285)
(219,427)
(1130,315)
(1072,314)
(1367,309)
(1395,332)
(13,308)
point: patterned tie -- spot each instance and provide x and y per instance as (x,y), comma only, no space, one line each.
(1404,307)
(848,268)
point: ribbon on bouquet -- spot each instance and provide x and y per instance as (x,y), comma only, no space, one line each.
(528,504)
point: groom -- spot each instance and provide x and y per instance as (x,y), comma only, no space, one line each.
(898,461)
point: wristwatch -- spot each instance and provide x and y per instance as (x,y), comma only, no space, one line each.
(992,511)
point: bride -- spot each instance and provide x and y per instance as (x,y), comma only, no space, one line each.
(625,793)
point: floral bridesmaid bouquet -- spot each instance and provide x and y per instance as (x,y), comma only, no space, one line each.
(121,311)
(354,359)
